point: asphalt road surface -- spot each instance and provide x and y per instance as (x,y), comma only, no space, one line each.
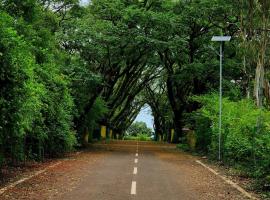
(125,170)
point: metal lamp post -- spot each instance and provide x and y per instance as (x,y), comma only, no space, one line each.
(221,40)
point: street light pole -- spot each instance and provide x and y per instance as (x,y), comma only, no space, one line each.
(220,101)
(220,39)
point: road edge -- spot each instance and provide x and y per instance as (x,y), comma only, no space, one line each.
(231,183)
(14,184)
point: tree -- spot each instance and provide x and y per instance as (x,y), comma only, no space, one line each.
(155,95)
(103,38)
(20,92)
(138,128)
(35,96)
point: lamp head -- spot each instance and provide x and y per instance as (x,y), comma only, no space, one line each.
(221,38)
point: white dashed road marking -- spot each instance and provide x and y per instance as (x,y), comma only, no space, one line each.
(133,188)
(135,171)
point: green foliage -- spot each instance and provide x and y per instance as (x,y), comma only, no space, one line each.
(183,147)
(20,92)
(138,128)
(66,69)
(143,137)
(129,137)
(96,114)
(140,137)
(245,133)
(36,103)
(201,124)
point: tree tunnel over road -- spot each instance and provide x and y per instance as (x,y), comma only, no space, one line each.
(74,72)
(135,53)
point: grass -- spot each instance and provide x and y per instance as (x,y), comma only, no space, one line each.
(140,137)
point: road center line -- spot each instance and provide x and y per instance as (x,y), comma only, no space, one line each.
(133,188)
(136,155)
(135,171)
(136,160)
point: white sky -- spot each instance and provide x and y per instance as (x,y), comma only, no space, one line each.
(84,2)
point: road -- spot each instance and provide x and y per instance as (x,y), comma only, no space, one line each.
(126,170)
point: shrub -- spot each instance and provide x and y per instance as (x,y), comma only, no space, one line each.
(129,137)
(201,124)
(183,146)
(143,137)
(35,102)
(140,137)
(245,133)
(20,93)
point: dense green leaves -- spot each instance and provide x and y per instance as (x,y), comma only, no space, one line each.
(66,69)
(245,133)
(36,104)
(20,92)
(138,128)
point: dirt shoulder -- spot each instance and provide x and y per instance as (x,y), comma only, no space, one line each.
(53,182)
(235,176)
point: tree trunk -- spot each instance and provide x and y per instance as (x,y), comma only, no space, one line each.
(178,133)
(85,137)
(177,110)
(259,82)
(260,71)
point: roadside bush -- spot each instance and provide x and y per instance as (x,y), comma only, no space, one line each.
(36,105)
(96,114)
(20,93)
(143,137)
(140,137)
(129,137)
(245,133)
(201,125)
(183,146)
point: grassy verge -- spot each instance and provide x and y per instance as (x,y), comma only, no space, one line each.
(140,137)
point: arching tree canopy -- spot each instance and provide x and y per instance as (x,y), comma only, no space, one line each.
(67,69)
